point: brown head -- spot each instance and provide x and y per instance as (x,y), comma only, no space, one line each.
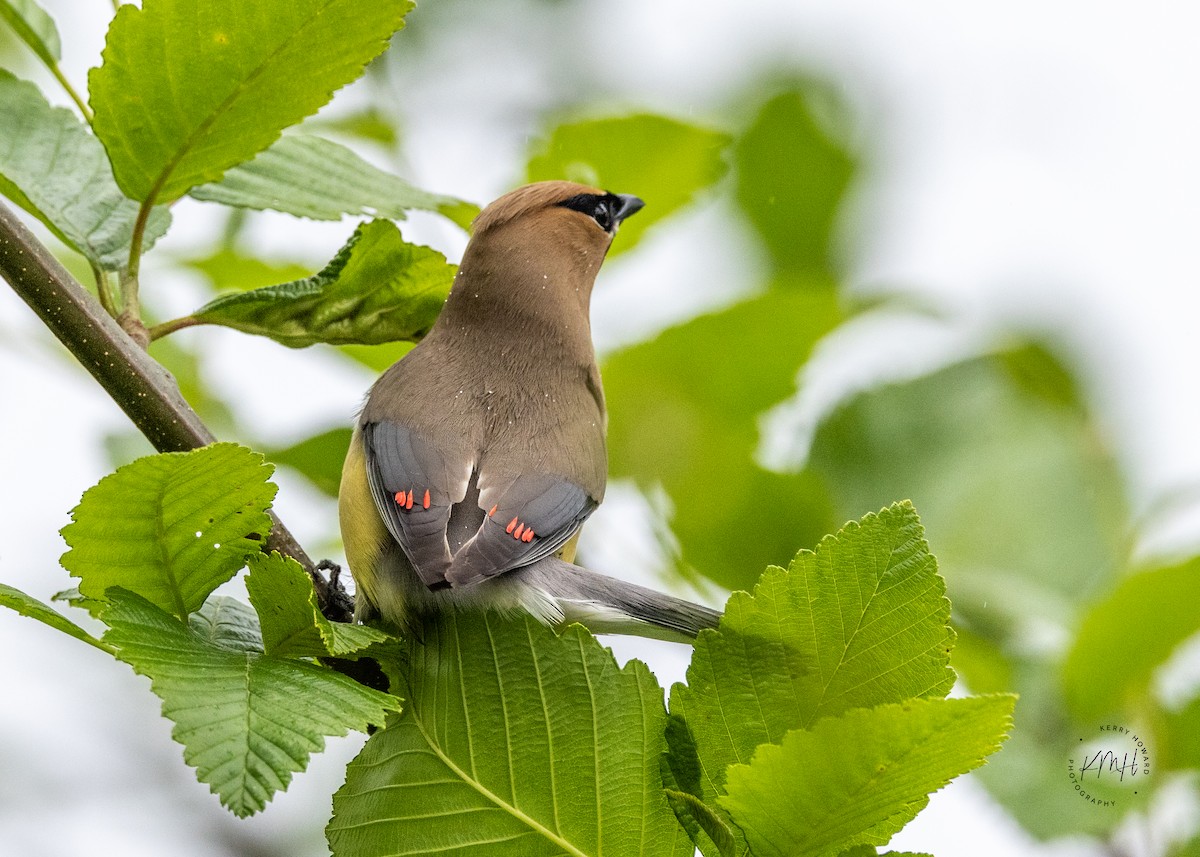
(534,254)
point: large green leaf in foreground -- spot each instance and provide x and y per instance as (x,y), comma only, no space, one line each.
(858,778)
(189,88)
(514,743)
(171,527)
(377,289)
(247,721)
(51,166)
(861,622)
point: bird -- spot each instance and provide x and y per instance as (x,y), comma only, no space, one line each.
(478,456)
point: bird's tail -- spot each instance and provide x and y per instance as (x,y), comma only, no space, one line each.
(605,605)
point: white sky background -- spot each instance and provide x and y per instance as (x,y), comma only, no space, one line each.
(1029,162)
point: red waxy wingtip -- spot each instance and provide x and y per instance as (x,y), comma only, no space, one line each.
(425,502)
(528,537)
(399,498)
(511,524)
(408,500)
(492,512)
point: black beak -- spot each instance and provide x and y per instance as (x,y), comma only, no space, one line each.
(630,205)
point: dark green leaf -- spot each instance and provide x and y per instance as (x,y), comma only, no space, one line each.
(190,88)
(377,289)
(171,527)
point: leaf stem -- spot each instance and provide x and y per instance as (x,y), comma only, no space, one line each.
(70,90)
(104,288)
(160,330)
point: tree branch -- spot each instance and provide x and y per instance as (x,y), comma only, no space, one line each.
(142,388)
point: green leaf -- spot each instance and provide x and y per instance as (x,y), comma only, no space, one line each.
(190,88)
(319,458)
(1178,744)
(1127,635)
(292,626)
(54,169)
(34,27)
(377,289)
(227,623)
(513,741)
(978,452)
(171,527)
(861,622)
(664,161)
(227,269)
(792,176)
(313,177)
(27,605)
(816,792)
(697,393)
(247,721)
(1026,505)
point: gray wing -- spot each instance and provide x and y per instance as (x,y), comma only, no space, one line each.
(531,517)
(416,488)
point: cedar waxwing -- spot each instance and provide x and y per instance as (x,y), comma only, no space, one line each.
(479,455)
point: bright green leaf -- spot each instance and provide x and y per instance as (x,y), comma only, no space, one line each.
(246,721)
(861,622)
(313,177)
(664,161)
(171,527)
(53,168)
(34,27)
(1026,505)
(696,394)
(815,792)
(190,88)
(377,289)
(792,176)
(292,625)
(1178,747)
(319,458)
(27,605)
(1127,635)
(514,741)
